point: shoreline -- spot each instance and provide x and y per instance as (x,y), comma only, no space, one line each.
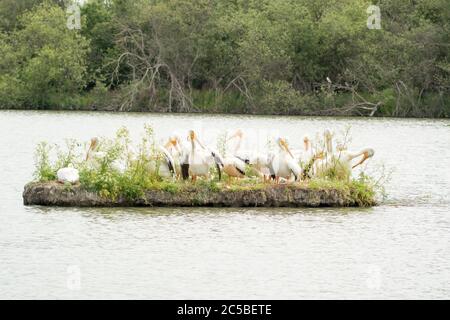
(289,195)
(224,114)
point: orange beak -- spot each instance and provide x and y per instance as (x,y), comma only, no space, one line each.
(286,147)
(365,157)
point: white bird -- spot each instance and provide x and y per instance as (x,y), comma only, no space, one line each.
(234,164)
(283,164)
(257,160)
(328,159)
(68,174)
(238,135)
(94,158)
(199,160)
(306,153)
(262,164)
(179,152)
(341,164)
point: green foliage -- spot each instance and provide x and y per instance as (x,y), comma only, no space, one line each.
(44,170)
(115,171)
(362,190)
(44,58)
(256,56)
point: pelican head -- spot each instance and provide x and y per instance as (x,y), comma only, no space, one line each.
(237,134)
(94,143)
(174,141)
(306,142)
(192,135)
(366,153)
(327,134)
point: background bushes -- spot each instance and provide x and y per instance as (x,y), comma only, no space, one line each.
(234,56)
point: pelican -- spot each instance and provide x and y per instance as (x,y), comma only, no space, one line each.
(179,152)
(93,150)
(200,161)
(328,139)
(94,157)
(283,164)
(234,165)
(342,163)
(68,174)
(306,154)
(237,135)
(257,160)
(327,160)
(262,164)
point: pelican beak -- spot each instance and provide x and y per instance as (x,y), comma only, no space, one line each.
(306,143)
(286,147)
(365,157)
(192,135)
(94,142)
(171,142)
(199,143)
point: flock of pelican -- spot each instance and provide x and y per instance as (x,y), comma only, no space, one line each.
(189,158)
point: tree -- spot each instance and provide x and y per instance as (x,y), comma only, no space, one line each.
(49,60)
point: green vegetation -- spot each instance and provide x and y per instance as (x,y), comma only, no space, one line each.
(128,172)
(231,56)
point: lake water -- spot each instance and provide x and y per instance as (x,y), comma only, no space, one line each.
(400,249)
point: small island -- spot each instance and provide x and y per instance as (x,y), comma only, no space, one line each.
(187,173)
(57,194)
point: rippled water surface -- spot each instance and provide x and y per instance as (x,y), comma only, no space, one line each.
(400,249)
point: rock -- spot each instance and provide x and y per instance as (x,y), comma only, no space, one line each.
(57,194)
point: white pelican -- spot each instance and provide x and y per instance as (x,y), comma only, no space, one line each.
(94,157)
(237,135)
(283,164)
(262,164)
(341,164)
(257,160)
(328,139)
(68,174)
(329,158)
(200,161)
(179,152)
(234,165)
(306,153)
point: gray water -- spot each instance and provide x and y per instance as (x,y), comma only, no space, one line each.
(400,249)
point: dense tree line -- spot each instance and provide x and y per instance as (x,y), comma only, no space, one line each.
(242,56)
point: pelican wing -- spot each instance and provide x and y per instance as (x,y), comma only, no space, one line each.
(219,163)
(294,167)
(169,160)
